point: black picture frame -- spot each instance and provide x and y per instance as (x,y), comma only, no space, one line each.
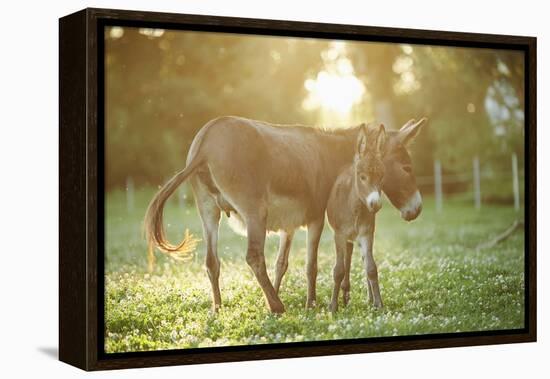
(81,165)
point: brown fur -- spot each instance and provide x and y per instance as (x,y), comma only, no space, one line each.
(348,212)
(351,218)
(256,169)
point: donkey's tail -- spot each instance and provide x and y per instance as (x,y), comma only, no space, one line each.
(153,222)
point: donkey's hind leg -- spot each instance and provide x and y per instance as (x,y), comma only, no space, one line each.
(282,259)
(256,230)
(210,216)
(314,231)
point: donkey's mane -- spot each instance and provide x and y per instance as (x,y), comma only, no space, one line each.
(327,130)
(323,130)
(349,132)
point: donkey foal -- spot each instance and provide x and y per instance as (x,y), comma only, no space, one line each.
(353,202)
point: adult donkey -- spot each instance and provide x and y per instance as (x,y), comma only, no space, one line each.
(273,178)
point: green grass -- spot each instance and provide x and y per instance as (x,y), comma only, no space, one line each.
(431,282)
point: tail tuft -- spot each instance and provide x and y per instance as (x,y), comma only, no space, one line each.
(183,251)
(153,223)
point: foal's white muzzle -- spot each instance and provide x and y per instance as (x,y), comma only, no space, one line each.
(374,201)
(412,208)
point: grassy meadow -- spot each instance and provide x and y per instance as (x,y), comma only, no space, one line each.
(431,279)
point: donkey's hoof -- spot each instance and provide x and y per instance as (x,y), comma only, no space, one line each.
(378,305)
(311,302)
(311,305)
(277,308)
(345,298)
(333,308)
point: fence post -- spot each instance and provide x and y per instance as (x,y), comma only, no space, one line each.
(477,186)
(438,186)
(181,196)
(129,194)
(515,182)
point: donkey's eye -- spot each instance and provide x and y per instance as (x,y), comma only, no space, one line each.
(363,177)
(407,169)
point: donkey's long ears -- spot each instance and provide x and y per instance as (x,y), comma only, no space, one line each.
(371,139)
(410,130)
(362,141)
(381,138)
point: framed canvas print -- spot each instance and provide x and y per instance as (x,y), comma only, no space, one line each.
(223,182)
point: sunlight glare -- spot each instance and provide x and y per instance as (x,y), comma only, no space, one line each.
(336,90)
(116,32)
(151,33)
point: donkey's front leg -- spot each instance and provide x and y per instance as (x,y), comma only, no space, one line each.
(314,231)
(282,259)
(347,265)
(210,216)
(338,271)
(370,267)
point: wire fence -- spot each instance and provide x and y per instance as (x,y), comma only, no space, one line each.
(474,180)
(465,182)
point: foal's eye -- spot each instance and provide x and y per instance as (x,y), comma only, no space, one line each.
(363,177)
(407,169)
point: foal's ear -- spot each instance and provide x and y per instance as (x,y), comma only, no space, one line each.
(381,138)
(410,130)
(362,141)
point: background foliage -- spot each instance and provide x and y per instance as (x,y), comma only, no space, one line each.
(163,86)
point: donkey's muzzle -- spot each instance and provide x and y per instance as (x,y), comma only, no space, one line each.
(374,201)
(412,209)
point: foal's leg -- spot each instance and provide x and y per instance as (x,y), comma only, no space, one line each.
(370,291)
(339,269)
(256,228)
(370,267)
(314,230)
(282,258)
(210,216)
(347,267)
